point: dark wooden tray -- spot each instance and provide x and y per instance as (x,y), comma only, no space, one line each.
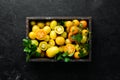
(89,20)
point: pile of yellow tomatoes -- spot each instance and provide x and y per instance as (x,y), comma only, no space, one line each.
(51,37)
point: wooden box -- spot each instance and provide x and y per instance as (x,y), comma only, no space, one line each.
(28,29)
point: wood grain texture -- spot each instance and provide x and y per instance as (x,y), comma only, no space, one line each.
(106,29)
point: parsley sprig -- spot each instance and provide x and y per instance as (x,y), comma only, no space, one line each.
(77,37)
(63,56)
(84,50)
(29,49)
(82,54)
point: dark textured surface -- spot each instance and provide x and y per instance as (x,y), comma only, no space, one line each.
(106,36)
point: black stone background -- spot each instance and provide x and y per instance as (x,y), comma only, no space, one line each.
(105,63)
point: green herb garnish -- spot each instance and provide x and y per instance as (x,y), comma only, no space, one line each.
(81,54)
(37,54)
(77,37)
(61,22)
(67,59)
(29,49)
(63,56)
(86,46)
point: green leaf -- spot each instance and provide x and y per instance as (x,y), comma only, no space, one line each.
(62,56)
(70,55)
(77,37)
(81,54)
(65,54)
(86,46)
(62,22)
(37,54)
(67,59)
(27,58)
(26,42)
(27,50)
(32,53)
(59,58)
(33,47)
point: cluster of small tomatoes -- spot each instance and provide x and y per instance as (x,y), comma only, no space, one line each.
(52,37)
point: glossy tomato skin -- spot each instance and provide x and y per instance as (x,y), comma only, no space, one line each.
(40,34)
(74,29)
(83,23)
(43,45)
(47,29)
(52,51)
(34,42)
(76,22)
(31,35)
(53,24)
(85,32)
(76,55)
(60,40)
(84,39)
(59,29)
(70,48)
(35,28)
(68,23)
(70,36)
(53,35)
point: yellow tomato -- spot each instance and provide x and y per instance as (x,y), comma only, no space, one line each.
(68,29)
(70,48)
(53,35)
(77,47)
(32,23)
(60,40)
(51,42)
(70,36)
(47,38)
(74,29)
(84,32)
(76,22)
(61,48)
(47,29)
(76,55)
(47,23)
(49,46)
(68,23)
(38,50)
(84,39)
(43,45)
(52,51)
(35,28)
(34,42)
(53,24)
(67,41)
(83,23)
(59,29)
(40,24)
(64,34)
(32,35)
(41,34)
